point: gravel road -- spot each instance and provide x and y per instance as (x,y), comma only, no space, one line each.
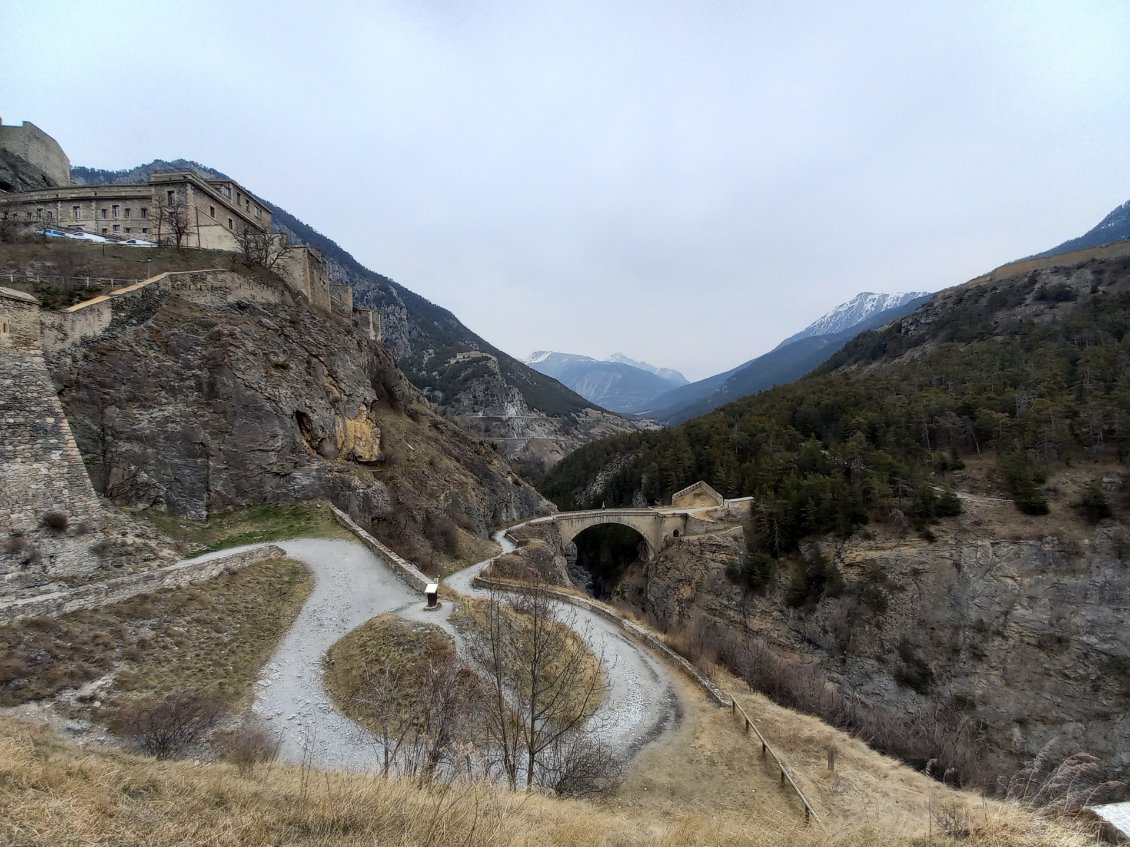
(351,586)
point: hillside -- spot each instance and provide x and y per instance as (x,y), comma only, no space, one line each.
(192,408)
(791,359)
(1114,227)
(531,418)
(1010,388)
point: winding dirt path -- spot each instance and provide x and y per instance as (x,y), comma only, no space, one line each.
(352,585)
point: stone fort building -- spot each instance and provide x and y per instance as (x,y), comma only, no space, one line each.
(217,212)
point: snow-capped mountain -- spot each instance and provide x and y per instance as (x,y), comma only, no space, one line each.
(618,384)
(669,374)
(854,311)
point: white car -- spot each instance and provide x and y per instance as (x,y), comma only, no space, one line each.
(89,236)
(137,242)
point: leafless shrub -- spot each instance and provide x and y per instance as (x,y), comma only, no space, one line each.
(249,744)
(441,532)
(15,542)
(31,556)
(581,766)
(164,727)
(54,521)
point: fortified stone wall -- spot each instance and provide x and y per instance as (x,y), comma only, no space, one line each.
(36,147)
(137,303)
(341,296)
(305,271)
(40,467)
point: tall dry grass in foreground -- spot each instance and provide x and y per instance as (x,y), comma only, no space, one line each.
(53,793)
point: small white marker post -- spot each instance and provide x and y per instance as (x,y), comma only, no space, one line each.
(431,591)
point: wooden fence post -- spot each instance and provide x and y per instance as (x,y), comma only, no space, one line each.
(831,758)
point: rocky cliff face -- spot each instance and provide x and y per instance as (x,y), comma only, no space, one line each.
(196,408)
(1017,633)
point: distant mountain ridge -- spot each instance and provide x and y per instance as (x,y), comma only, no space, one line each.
(618,383)
(856,310)
(1114,227)
(794,357)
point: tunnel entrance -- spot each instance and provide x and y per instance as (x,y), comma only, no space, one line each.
(604,554)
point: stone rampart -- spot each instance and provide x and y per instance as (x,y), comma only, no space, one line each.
(135,304)
(37,148)
(122,588)
(403,568)
(62,330)
(41,470)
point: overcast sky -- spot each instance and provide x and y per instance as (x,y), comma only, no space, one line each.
(685,182)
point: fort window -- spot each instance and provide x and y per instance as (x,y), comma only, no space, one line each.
(104,230)
(75,212)
(49,215)
(171,195)
(231,224)
(144,212)
(129,229)
(127,211)
(39,214)
(145,229)
(258,212)
(117,227)
(104,214)
(117,210)
(212,211)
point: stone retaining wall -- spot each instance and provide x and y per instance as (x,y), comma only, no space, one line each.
(402,567)
(121,588)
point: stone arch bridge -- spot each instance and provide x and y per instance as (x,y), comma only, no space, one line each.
(655,525)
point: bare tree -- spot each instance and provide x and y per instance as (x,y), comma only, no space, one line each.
(263,248)
(438,734)
(174,219)
(163,728)
(546,684)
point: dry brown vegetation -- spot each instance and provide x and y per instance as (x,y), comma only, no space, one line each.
(371,672)
(54,793)
(210,638)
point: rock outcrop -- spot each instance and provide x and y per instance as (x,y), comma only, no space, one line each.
(1022,635)
(195,408)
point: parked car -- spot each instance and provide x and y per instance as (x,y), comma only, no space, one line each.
(89,236)
(51,232)
(138,242)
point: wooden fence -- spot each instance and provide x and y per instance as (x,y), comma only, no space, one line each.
(653,640)
(767,749)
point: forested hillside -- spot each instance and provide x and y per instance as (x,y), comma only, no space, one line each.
(1029,371)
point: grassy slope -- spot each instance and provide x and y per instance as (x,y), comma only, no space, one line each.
(360,660)
(56,794)
(212,637)
(253,525)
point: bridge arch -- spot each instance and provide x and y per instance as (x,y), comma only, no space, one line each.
(655,527)
(569,529)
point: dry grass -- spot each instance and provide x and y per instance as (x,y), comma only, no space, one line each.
(212,637)
(56,794)
(253,525)
(470,550)
(385,650)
